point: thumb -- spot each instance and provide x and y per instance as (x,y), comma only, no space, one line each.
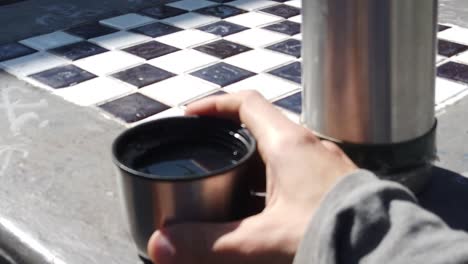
(187,243)
(251,240)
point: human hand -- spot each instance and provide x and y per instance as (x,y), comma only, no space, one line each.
(300,170)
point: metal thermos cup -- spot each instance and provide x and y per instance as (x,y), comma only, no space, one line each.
(151,201)
(368,79)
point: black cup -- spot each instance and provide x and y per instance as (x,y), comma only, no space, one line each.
(183,169)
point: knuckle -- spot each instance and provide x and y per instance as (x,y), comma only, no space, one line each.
(250,94)
(333,148)
(304,136)
(293,139)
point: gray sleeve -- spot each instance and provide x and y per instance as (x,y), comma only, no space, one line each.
(367,220)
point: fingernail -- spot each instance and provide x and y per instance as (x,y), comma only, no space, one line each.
(163,249)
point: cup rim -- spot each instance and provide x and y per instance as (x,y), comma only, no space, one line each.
(251,148)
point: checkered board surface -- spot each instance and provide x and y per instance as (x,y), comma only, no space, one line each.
(149,64)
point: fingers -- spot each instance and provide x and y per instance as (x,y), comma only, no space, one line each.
(333,148)
(226,106)
(249,242)
(187,243)
(196,243)
(264,121)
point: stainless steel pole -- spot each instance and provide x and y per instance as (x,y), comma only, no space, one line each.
(368,78)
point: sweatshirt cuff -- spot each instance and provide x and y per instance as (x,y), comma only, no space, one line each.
(351,191)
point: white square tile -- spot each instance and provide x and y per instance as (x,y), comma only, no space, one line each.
(297,36)
(253,19)
(108,62)
(259,60)
(186,38)
(172,112)
(296,3)
(94,91)
(270,87)
(127,21)
(50,41)
(256,37)
(440,59)
(462,57)
(119,40)
(252,4)
(33,63)
(297,19)
(455,34)
(178,89)
(190,20)
(446,89)
(191,4)
(183,61)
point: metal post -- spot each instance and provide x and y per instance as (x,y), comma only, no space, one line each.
(368,77)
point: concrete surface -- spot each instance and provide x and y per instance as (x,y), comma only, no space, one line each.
(454,12)
(446,193)
(34,17)
(452,137)
(57,179)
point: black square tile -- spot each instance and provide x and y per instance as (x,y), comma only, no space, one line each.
(157,29)
(91,30)
(222,48)
(162,11)
(143,75)
(78,50)
(454,71)
(290,72)
(281,10)
(290,47)
(63,76)
(442,27)
(151,50)
(448,49)
(9,2)
(14,50)
(221,1)
(286,27)
(221,11)
(292,103)
(222,28)
(134,107)
(222,74)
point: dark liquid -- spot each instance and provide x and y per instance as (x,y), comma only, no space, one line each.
(186,160)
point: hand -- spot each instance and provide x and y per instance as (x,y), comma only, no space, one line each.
(300,170)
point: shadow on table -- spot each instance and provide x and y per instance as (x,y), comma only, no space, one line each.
(446,195)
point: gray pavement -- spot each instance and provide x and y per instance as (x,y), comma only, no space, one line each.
(35,17)
(454,12)
(452,137)
(446,193)
(58,184)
